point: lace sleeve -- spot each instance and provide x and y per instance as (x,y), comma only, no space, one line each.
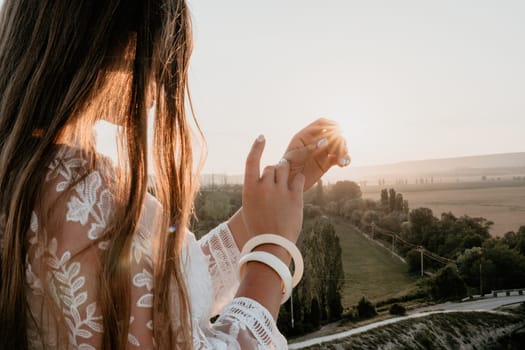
(243,323)
(246,324)
(223,255)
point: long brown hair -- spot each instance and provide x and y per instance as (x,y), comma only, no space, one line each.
(64,63)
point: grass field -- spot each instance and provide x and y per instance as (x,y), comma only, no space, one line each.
(370,270)
(504,205)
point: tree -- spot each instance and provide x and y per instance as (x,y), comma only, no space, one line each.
(447,284)
(457,234)
(399,202)
(406,208)
(216,206)
(347,207)
(423,225)
(315,313)
(344,190)
(515,240)
(319,194)
(509,265)
(413,259)
(384,198)
(324,276)
(365,308)
(392,199)
(472,266)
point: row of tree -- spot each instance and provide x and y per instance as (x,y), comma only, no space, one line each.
(317,299)
(483,262)
(464,240)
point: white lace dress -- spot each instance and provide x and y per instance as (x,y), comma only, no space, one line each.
(209,264)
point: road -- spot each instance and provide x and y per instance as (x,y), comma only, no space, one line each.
(485,304)
(488,304)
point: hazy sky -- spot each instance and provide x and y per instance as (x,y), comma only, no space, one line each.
(405,79)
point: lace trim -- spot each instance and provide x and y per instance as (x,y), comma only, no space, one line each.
(251,315)
(224,256)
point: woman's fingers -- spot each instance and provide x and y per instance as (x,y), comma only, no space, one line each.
(318,129)
(344,161)
(282,171)
(325,151)
(268,175)
(297,184)
(253,161)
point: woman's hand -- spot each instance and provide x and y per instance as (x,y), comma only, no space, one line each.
(315,149)
(270,203)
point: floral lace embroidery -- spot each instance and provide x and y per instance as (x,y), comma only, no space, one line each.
(211,272)
(87,205)
(66,164)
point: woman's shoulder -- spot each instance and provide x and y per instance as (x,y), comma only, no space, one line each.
(77,192)
(71,164)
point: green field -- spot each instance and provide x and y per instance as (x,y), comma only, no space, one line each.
(503,204)
(370,270)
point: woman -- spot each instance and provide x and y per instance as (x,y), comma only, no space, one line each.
(88,258)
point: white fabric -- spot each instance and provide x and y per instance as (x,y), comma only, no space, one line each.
(77,207)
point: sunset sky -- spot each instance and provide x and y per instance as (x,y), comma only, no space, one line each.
(406,79)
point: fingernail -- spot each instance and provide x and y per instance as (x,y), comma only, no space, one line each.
(322,142)
(282,161)
(344,161)
(260,138)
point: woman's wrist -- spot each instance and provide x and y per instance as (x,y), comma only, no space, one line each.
(238,229)
(262,284)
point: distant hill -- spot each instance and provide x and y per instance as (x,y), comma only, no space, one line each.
(506,164)
(493,165)
(220,179)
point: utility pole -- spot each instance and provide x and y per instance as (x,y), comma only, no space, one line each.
(480,275)
(480,281)
(291,308)
(421,252)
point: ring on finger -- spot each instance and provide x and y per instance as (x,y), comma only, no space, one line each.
(282,161)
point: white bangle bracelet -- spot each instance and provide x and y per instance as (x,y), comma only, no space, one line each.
(273,262)
(271,238)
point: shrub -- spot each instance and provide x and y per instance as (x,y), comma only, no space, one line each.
(397,309)
(365,308)
(312,211)
(413,259)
